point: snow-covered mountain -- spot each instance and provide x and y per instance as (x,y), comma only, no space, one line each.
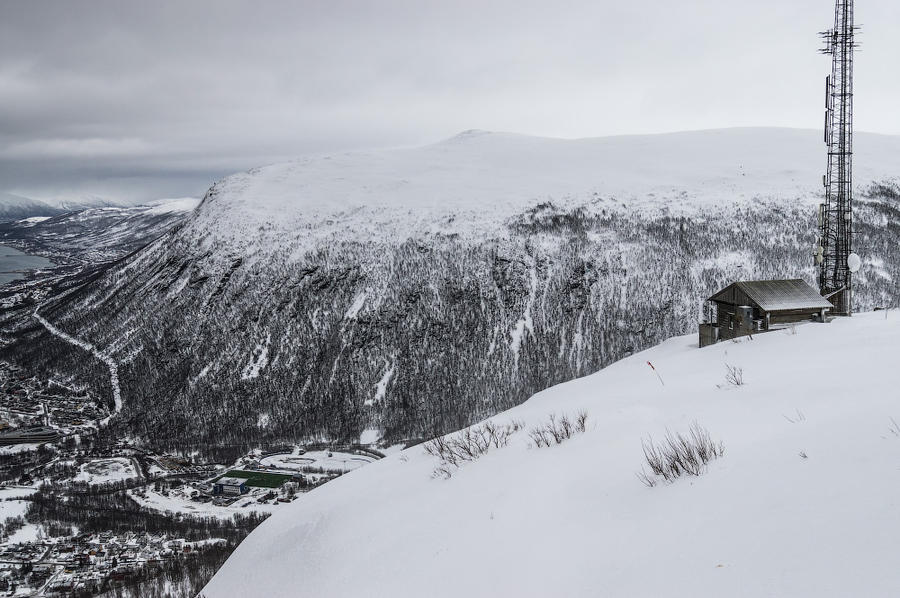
(472,184)
(71,203)
(15,207)
(802,503)
(417,290)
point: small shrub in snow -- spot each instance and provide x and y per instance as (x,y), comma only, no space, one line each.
(734,375)
(679,455)
(558,430)
(799,418)
(470,444)
(895,428)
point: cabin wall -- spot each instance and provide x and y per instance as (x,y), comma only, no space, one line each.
(734,296)
(709,335)
(735,321)
(794,316)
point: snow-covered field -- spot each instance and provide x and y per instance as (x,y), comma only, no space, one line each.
(327,460)
(179,502)
(804,501)
(101,471)
(14,449)
(10,507)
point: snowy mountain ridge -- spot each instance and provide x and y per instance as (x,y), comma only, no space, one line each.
(803,502)
(13,207)
(472,183)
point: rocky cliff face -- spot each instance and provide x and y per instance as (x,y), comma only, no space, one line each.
(418,290)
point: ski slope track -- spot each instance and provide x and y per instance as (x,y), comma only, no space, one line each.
(803,503)
(109,361)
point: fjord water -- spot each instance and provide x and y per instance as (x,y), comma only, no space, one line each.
(14,263)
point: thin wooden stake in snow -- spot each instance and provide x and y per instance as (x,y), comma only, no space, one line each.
(657,373)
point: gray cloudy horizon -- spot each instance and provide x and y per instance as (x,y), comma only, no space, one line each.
(135,100)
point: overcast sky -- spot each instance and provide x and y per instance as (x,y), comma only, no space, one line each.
(136,100)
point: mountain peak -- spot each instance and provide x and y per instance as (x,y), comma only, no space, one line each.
(490,176)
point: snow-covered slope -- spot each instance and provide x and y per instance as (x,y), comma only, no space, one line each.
(14,207)
(803,503)
(471,183)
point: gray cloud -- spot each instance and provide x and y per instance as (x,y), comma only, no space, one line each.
(136,100)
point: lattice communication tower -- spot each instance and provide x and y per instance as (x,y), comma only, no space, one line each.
(834,255)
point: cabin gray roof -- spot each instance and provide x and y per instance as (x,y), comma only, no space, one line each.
(776,295)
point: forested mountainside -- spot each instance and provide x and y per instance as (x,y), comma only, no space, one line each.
(416,291)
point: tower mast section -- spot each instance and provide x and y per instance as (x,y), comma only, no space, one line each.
(836,213)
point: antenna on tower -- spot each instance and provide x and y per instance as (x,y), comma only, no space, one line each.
(834,255)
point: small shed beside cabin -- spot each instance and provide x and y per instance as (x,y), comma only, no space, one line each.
(749,307)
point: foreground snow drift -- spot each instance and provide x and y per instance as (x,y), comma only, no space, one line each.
(574,520)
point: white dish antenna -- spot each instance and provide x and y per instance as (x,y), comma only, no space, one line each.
(853,262)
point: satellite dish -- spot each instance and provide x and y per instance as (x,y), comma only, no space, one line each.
(853,262)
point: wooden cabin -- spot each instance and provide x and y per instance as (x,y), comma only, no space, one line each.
(750,307)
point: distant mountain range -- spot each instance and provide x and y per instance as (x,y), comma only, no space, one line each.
(16,207)
(417,290)
(94,235)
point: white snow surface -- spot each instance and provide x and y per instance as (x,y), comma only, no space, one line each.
(574,520)
(33,220)
(381,387)
(10,507)
(370,436)
(166,206)
(101,471)
(328,460)
(470,183)
(258,361)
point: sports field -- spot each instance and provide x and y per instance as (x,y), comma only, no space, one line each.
(259,479)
